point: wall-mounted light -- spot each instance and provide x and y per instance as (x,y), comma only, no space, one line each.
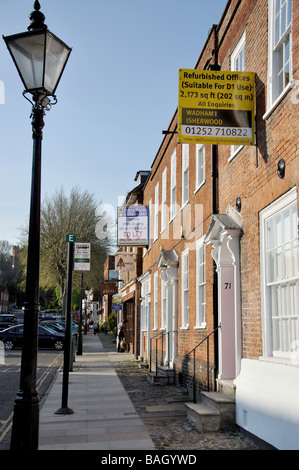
(281,168)
(238,204)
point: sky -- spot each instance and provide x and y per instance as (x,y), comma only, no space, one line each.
(119,91)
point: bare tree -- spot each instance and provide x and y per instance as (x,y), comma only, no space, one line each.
(61,215)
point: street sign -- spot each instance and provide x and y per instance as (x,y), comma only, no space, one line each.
(216,107)
(71,238)
(124,262)
(82,257)
(107,288)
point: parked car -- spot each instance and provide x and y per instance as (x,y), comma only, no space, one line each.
(59,327)
(7,320)
(57,322)
(13,338)
(54,324)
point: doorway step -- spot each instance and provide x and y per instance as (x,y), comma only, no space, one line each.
(162,376)
(215,412)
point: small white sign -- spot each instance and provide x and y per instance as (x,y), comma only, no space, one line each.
(82,257)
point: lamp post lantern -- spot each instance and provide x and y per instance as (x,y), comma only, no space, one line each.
(40,58)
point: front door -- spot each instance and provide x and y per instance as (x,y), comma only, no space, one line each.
(223,235)
(130,317)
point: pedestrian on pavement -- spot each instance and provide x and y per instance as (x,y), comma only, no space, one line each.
(120,335)
(95,327)
(105,327)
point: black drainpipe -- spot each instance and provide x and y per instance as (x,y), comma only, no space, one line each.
(214,196)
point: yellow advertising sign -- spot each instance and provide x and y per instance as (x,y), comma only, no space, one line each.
(216,107)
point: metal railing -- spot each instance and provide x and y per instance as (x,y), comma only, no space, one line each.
(207,340)
(159,352)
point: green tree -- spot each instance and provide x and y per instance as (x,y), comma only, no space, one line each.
(6,270)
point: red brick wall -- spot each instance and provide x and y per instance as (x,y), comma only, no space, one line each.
(256,184)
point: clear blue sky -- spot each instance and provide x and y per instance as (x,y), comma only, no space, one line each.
(118,92)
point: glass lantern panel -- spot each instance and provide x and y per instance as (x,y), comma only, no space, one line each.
(56,56)
(28,53)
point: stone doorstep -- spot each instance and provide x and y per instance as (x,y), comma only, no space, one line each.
(215,412)
(153,379)
(164,370)
(143,365)
(204,418)
(164,376)
(218,401)
(224,404)
(227,387)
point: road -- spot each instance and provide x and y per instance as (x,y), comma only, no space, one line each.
(10,363)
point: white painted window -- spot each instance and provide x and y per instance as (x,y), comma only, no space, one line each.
(145,303)
(238,65)
(156,212)
(280,276)
(163,202)
(155,300)
(163,303)
(200,166)
(280,44)
(200,283)
(185,173)
(150,214)
(185,288)
(173,186)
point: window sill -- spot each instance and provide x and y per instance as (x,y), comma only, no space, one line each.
(184,205)
(233,155)
(289,87)
(184,327)
(203,326)
(199,186)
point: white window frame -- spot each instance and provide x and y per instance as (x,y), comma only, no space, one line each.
(237,64)
(275,94)
(163,202)
(145,303)
(185,174)
(200,158)
(278,294)
(156,212)
(163,303)
(155,325)
(173,186)
(200,284)
(150,214)
(185,289)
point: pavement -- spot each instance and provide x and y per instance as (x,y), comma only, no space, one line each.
(103,417)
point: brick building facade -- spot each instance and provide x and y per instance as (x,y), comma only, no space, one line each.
(224,233)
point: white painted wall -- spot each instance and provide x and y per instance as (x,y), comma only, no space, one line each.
(267,402)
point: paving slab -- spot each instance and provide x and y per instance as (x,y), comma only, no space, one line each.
(103,417)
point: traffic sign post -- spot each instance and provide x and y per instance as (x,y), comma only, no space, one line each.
(82,263)
(71,238)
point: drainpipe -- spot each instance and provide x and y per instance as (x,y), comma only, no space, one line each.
(214,204)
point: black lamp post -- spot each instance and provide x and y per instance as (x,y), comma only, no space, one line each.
(40,58)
